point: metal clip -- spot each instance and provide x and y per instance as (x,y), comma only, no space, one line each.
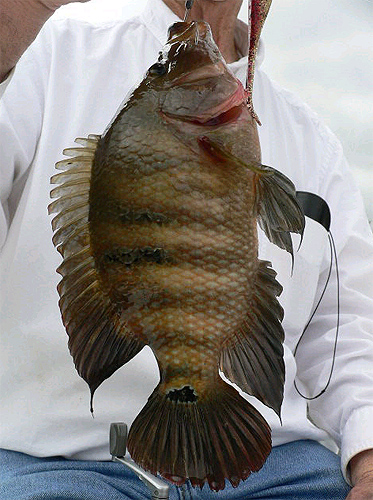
(118,446)
(188,7)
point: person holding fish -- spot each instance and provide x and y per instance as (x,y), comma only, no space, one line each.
(194,263)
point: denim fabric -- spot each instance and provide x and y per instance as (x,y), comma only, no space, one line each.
(300,470)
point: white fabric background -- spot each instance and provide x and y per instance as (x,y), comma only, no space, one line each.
(321,50)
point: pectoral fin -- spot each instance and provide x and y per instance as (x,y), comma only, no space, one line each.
(276,205)
(279,212)
(99,340)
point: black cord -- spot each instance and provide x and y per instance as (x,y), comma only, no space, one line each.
(333,255)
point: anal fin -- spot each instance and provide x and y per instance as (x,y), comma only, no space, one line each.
(253,360)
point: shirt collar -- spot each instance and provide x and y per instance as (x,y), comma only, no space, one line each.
(158,18)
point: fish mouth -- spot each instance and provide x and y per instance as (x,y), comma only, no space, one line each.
(200,75)
(222,114)
(199,87)
(186,31)
(224,118)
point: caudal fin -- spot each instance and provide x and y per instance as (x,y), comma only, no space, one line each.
(181,435)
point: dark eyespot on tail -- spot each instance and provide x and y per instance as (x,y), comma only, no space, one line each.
(203,439)
(184,395)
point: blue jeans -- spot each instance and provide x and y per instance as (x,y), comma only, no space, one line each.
(300,470)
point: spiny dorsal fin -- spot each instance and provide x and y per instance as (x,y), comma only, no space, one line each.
(253,359)
(99,341)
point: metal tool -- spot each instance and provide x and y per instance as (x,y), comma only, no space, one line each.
(188,7)
(118,446)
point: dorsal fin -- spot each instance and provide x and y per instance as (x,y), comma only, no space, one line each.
(99,340)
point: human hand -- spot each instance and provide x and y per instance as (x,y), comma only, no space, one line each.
(361,467)
(363,489)
(24,19)
(55,4)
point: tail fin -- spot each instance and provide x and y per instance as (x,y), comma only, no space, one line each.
(201,438)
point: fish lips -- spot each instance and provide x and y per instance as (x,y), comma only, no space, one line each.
(202,102)
(193,31)
(191,79)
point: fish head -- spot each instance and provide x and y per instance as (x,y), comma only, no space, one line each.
(191,80)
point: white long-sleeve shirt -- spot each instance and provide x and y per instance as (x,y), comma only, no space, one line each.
(69,84)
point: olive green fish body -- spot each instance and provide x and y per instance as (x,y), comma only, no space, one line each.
(157,225)
(174,238)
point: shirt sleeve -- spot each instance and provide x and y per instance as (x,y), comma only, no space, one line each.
(345,410)
(21,115)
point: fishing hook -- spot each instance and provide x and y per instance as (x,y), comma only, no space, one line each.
(188,7)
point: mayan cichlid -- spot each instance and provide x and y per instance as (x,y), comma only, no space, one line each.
(157,226)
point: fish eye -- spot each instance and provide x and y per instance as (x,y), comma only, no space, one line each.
(158,69)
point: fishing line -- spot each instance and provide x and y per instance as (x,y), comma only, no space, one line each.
(188,7)
(333,258)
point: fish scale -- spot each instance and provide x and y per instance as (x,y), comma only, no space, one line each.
(157,226)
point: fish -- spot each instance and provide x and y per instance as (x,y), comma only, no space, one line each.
(156,221)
